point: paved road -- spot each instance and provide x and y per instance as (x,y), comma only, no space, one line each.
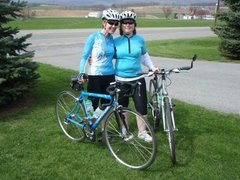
(63,47)
(212,85)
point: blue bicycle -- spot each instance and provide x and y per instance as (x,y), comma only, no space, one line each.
(120,125)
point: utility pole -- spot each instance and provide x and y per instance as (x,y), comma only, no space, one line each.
(216,11)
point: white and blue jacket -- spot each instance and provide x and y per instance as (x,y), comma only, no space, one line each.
(101,50)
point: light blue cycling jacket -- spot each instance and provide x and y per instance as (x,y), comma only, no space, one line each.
(128,55)
(101,51)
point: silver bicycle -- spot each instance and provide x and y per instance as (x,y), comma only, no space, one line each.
(161,103)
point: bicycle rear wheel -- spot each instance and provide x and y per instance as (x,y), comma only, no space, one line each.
(154,103)
(169,129)
(69,112)
(121,134)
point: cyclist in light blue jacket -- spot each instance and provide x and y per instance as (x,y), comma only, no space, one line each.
(100,48)
(131,53)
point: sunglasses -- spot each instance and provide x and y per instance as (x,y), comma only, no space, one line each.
(113,23)
(128,22)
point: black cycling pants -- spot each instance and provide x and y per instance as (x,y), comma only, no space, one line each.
(99,84)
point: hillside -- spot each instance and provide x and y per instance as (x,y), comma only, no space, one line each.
(150,11)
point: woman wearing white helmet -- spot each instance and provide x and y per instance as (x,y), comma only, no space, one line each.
(100,48)
(111,14)
(131,53)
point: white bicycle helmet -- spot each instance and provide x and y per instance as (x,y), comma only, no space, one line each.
(111,14)
(128,15)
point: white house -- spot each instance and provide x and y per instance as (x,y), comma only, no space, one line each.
(96,14)
(188,17)
(208,17)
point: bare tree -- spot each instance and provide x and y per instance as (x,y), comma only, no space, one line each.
(27,13)
(167,10)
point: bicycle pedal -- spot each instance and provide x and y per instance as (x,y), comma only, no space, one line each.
(92,138)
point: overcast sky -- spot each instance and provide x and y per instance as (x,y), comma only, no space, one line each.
(110,2)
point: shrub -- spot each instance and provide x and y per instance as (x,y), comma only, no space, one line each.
(17,71)
(228,30)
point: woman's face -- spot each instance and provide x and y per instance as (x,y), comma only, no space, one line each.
(110,26)
(128,26)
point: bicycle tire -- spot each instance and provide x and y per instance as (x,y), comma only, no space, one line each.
(156,112)
(170,130)
(152,87)
(125,146)
(67,107)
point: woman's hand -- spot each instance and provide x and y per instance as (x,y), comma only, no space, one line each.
(155,69)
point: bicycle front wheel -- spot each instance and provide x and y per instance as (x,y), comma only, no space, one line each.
(69,113)
(121,134)
(169,129)
(154,103)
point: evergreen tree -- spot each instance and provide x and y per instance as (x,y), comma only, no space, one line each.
(228,30)
(17,71)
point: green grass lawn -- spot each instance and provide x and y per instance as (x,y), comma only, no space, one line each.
(33,146)
(75,23)
(205,48)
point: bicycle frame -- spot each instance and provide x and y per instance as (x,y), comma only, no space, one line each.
(113,104)
(81,98)
(162,94)
(160,90)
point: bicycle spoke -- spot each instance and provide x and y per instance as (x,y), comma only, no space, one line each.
(127,148)
(66,107)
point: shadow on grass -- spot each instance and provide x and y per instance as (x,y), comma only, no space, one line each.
(17,107)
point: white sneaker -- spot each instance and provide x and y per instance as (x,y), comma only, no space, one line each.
(145,136)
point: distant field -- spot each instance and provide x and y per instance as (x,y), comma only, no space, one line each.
(57,23)
(75,23)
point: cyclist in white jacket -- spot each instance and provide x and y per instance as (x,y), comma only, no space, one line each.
(100,47)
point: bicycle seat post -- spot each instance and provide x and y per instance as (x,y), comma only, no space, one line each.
(116,96)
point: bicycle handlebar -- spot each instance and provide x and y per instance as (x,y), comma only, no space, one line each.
(111,89)
(175,70)
(194,58)
(115,87)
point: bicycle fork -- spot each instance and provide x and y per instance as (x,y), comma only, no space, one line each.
(122,121)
